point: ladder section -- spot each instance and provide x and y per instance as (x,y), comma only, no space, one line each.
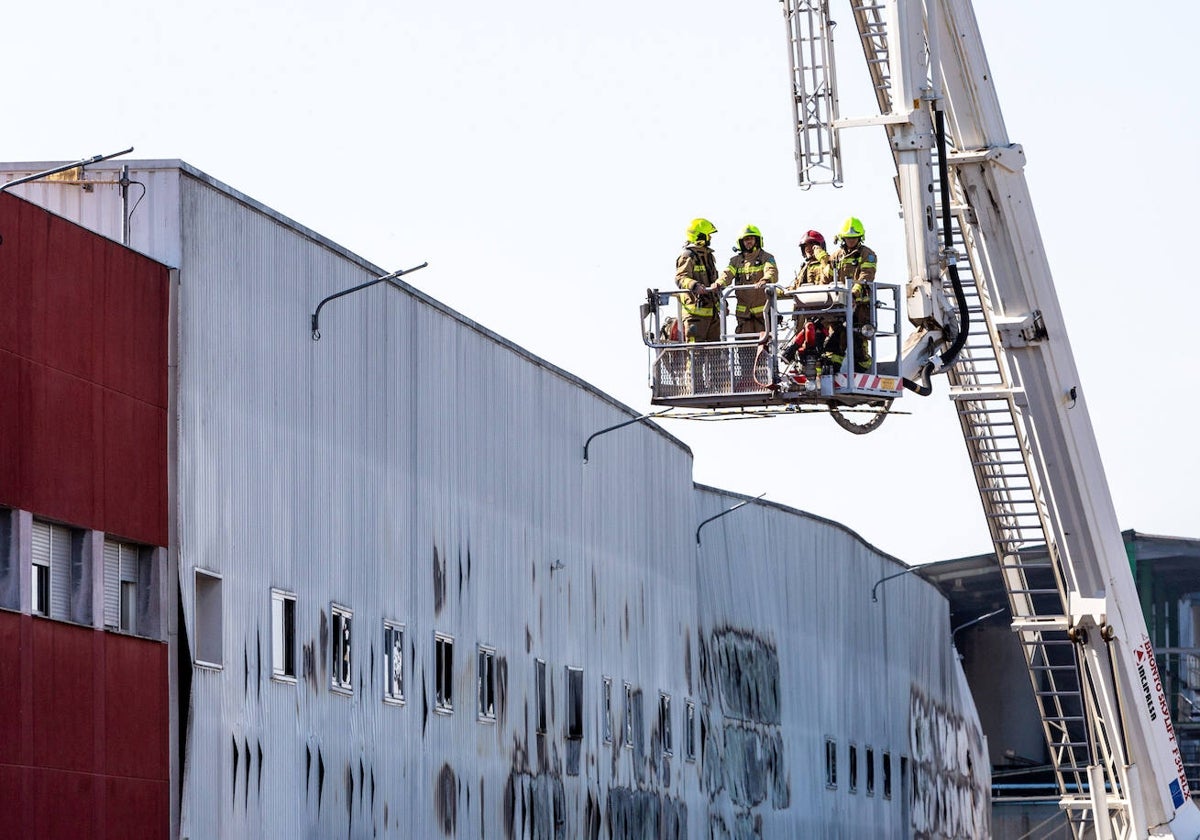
(987,406)
(814,92)
(871,23)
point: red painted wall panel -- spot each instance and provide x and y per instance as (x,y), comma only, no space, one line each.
(12,706)
(133,707)
(83,359)
(132,500)
(136,808)
(92,760)
(64,805)
(84,714)
(58,453)
(64,694)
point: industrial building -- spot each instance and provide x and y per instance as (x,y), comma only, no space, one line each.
(257,585)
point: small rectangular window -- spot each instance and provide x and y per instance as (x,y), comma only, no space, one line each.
(126,586)
(10,575)
(539,686)
(852,785)
(870,771)
(443,657)
(628,724)
(574,704)
(60,582)
(607,723)
(342,664)
(689,730)
(487,683)
(393,662)
(283,635)
(887,775)
(664,723)
(831,763)
(41,586)
(210,621)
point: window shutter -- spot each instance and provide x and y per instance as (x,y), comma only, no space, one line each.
(60,572)
(112,584)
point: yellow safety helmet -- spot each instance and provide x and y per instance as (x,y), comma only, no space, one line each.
(852,228)
(750,230)
(700,230)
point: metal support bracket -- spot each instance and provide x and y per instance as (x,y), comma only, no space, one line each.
(316,316)
(742,503)
(638,419)
(1021,332)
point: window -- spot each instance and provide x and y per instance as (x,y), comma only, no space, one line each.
(60,582)
(887,775)
(831,764)
(393,662)
(128,600)
(210,636)
(283,635)
(853,762)
(487,683)
(689,730)
(664,723)
(10,596)
(574,704)
(870,772)
(443,682)
(628,725)
(539,686)
(606,723)
(341,649)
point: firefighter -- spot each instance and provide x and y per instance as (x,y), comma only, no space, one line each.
(817,270)
(750,269)
(696,272)
(853,266)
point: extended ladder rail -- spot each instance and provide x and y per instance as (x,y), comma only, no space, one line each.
(814,92)
(1134,780)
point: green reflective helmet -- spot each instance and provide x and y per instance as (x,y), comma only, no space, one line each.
(700,230)
(750,230)
(852,228)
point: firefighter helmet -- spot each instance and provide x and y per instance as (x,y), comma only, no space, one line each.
(700,230)
(813,237)
(750,230)
(852,228)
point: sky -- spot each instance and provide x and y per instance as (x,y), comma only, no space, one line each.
(545,159)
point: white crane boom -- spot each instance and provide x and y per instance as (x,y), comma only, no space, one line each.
(970,230)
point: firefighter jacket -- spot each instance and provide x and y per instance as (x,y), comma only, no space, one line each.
(696,267)
(856,268)
(817,270)
(745,269)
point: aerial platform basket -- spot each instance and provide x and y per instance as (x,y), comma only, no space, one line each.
(748,373)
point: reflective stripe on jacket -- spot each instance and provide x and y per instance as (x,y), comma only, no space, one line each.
(696,267)
(856,267)
(745,269)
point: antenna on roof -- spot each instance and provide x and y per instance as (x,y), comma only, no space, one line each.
(80,163)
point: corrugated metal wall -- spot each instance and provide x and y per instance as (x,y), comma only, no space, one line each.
(413,467)
(879,675)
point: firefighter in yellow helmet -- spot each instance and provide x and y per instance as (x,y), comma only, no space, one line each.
(750,269)
(696,272)
(853,266)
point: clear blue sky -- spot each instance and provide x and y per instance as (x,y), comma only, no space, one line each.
(545,158)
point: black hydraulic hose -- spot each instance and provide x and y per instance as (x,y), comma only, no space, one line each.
(921,387)
(960,297)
